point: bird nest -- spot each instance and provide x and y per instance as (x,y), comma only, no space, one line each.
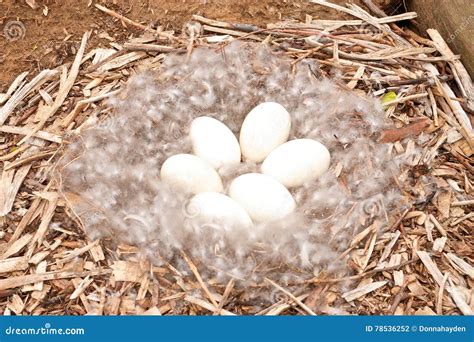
(88,229)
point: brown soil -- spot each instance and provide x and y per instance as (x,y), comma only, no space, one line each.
(54,28)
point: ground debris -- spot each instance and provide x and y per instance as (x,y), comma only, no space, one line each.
(424,260)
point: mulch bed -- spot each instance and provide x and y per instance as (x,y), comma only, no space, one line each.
(421,265)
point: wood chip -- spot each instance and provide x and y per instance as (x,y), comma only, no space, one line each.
(17,246)
(21,93)
(293,297)
(202,303)
(127,271)
(363,290)
(460,265)
(53,269)
(438,277)
(13,282)
(438,244)
(9,185)
(398,278)
(388,249)
(13,264)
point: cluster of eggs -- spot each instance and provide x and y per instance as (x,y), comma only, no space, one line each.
(252,198)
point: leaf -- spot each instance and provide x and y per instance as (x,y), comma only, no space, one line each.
(390,96)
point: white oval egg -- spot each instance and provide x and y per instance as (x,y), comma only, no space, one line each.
(264,128)
(210,208)
(214,142)
(297,162)
(190,174)
(262,197)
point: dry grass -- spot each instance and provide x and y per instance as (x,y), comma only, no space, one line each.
(421,265)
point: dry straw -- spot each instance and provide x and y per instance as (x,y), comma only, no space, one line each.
(421,265)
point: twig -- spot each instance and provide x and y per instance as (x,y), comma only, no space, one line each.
(361,275)
(134,23)
(199,279)
(293,297)
(27,131)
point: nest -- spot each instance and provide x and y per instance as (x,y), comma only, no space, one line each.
(417,262)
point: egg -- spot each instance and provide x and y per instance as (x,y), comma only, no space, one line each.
(264,128)
(214,142)
(190,174)
(297,162)
(263,197)
(213,208)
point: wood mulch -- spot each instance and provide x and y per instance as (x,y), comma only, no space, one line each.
(421,265)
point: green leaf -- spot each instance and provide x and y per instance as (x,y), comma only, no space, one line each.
(390,96)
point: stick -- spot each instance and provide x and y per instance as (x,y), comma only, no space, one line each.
(134,23)
(18,281)
(27,131)
(292,296)
(199,279)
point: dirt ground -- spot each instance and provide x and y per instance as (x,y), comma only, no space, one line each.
(54,27)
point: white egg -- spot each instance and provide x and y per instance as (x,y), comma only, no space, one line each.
(214,142)
(190,174)
(297,162)
(262,197)
(216,209)
(264,128)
